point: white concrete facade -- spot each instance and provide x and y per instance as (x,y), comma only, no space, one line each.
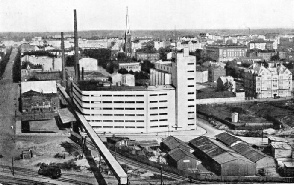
(158,77)
(129,109)
(184,79)
(89,64)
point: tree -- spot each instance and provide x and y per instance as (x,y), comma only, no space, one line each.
(123,71)
(275,58)
(228,86)
(103,55)
(111,67)
(121,56)
(146,65)
(162,54)
(70,61)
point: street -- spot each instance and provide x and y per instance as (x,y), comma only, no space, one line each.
(8,98)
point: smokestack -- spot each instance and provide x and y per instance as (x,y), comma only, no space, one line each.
(82,73)
(63,58)
(78,71)
(77,77)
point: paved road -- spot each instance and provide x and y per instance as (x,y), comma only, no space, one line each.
(8,95)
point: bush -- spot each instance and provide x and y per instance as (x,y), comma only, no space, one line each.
(68,165)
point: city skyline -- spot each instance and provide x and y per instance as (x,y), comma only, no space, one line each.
(50,16)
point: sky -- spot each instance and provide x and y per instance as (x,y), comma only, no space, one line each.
(57,15)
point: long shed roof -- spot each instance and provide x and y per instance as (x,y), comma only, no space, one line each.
(216,150)
(178,154)
(227,138)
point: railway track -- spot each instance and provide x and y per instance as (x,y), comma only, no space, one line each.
(25,173)
(144,166)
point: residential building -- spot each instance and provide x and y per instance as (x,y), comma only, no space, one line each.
(262,45)
(163,65)
(147,56)
(128,80)
(94,75)
(47,63)
(214,72)
(184,80)
(261,82)
(224,82)
(224,53)
(89,64)
(201,74)
(39,100)
(126,109)
(192,45)
(130,66)
(220,159)
(266,55)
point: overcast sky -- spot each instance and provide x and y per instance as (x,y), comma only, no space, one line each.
(57,15)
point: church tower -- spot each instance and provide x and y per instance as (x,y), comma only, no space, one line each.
(128,37)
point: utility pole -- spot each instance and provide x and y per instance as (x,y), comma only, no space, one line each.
(12,166)
(161,179)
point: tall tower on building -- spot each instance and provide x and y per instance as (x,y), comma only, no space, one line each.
(184,80)
(128,36)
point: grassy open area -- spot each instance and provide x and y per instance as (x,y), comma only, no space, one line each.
(253,111)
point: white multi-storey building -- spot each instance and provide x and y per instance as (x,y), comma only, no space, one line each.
(184,80)
(123,109)
(261,82)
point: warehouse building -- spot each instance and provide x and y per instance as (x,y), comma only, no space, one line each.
(220,159)
(182,160)
(171,143)
(260,159)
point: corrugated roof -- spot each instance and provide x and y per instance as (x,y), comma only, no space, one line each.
(227,138)
(172,142)
(178,154)
(216,150)
(248,152)
(207,146)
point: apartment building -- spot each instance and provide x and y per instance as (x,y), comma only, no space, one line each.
(184,80)
(126,109)
(263,45)
(223,53)
(261,82)
(130,66)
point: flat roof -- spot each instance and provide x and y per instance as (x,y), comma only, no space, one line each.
(281,145)
(66,116)
(95,86)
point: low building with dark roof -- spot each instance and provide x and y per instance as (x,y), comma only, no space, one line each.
(182,159)
(260,159)
(221,159)
(171,143)
(227,138)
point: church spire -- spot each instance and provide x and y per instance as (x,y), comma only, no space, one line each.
(128,37)
(128,30)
